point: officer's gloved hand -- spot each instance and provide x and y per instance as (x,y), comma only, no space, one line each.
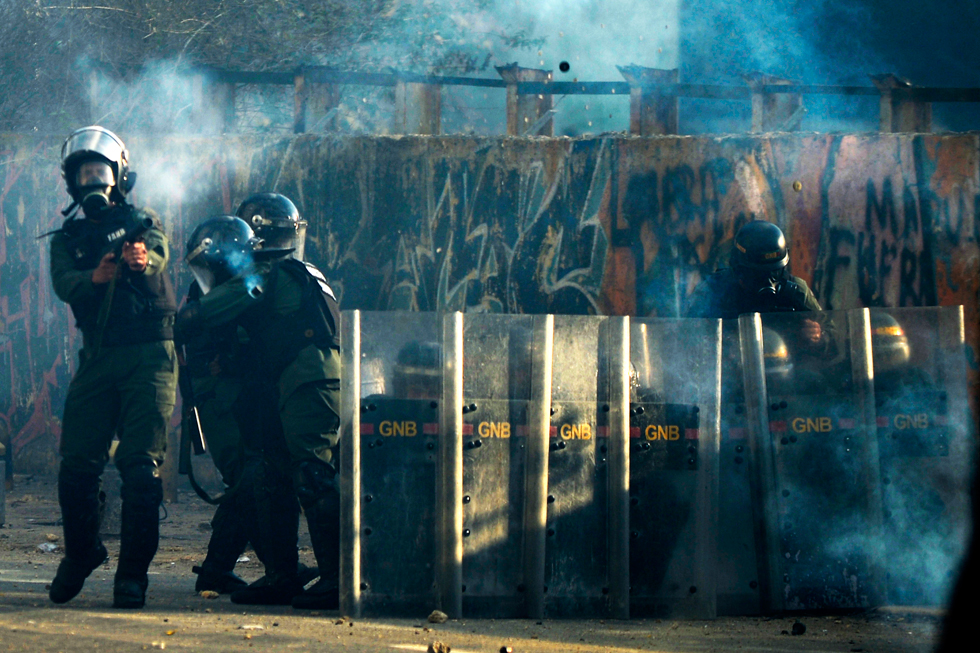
(188,322)
(811,332)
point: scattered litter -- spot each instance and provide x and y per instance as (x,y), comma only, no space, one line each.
(170,632)
(209,594)
(244,559)
(799,628)
(506,649)
(47,547)
(438,647)
(251,627)
(438,617)
(159,645)
(339,622)
(52,537)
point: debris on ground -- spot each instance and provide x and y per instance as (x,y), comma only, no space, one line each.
(438,617)
(506,649)
(251,627)
(47,547)
(799,628)
(209,594)
(51,537)
(438,647)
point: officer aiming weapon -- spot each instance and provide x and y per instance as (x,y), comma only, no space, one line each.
(116,245)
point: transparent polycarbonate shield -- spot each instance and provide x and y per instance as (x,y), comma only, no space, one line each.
(811,424)
(924,436)
(393,388)
(673,458)
(738,565)
(497,377)
(576,552)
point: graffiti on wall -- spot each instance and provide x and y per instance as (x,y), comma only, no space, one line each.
(598,225)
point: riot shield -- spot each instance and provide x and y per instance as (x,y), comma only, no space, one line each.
(738,565)
(673,458)
(924,436)
(497,376)
(810,411)
(391,397)
(578,568)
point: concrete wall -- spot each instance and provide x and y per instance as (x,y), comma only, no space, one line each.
(602,225)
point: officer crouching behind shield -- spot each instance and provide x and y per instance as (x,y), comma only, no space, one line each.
(223,376)
(291,316)
(127,377)
(759,281)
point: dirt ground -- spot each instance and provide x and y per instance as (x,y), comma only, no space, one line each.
(176,618)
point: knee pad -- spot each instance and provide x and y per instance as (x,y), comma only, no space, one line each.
(141,483)
(314,480)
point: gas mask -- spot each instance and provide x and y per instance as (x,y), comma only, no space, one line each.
(94,181)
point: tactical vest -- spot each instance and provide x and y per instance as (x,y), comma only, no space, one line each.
(221,343)
(143,306)
(279,337)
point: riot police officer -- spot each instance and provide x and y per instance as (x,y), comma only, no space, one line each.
(219,362)
(758,280)
(890,353)
(291,317)
(126,380)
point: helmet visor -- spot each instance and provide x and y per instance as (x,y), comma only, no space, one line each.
(204,277)
(95,173)
(93,139)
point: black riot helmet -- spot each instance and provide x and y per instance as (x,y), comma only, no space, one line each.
(219,249)
(779,365)
(760,245)
(759,259)
(276,221)
(889,345)
(95,167)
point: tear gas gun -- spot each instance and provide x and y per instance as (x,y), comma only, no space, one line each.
(116,240)
(120,237)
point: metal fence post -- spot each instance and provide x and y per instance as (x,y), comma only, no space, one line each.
(774,111)
(652,111)
(523,111)
(900,111)
(418,108)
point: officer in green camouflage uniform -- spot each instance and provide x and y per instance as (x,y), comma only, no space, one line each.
(220,366)
(758,280)
(126,381)
(291,317)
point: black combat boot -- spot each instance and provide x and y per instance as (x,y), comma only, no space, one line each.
(229,537)
(273,533)
(139,536)
(316,486)
(78,494)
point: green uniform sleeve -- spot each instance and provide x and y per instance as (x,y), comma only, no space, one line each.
(230,299)
(809,301)
(157,251)
(70,285)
